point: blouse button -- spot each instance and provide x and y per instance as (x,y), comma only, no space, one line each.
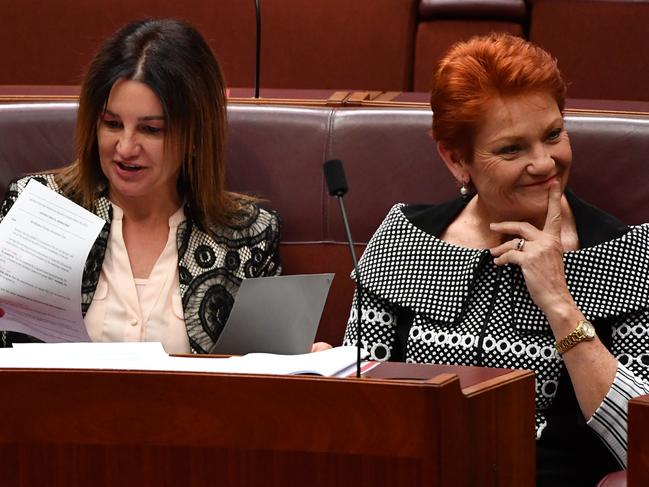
(134,322)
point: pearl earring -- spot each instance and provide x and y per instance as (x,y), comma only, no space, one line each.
(465,192)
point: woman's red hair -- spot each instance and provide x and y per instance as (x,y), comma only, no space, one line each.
(474,72)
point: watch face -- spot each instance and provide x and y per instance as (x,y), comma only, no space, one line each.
(588,329)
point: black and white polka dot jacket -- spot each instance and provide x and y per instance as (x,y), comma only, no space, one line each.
(426,300)
(211,265)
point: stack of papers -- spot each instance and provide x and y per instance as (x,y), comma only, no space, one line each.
(335,362)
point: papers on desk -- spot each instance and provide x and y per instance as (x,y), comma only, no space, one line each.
(44,242)
(336,362)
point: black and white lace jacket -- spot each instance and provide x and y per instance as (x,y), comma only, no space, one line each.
(211,265)
(426,300)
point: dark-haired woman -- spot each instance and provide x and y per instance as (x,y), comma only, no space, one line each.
(150,139)
(519,272)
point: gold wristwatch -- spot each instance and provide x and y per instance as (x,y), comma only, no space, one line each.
(585,331)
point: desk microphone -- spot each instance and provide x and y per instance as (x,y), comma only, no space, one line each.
(337,185)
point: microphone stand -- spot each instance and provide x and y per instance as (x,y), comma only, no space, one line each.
(359,292)
(257,47)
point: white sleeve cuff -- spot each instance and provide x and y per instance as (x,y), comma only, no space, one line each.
(611,417)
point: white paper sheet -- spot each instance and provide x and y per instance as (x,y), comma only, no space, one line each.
(152,357)
(44,242)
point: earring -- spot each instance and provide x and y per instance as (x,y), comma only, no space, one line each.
(465,192)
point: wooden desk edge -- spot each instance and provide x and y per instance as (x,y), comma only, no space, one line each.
(513,375)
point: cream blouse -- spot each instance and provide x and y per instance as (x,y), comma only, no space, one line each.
(125,309)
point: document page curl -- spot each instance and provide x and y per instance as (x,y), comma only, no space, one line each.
(44,242)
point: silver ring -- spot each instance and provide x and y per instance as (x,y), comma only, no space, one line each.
(520,244)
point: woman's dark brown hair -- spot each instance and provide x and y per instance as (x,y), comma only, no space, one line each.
(172,58)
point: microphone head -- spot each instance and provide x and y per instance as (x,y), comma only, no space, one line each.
(335,177)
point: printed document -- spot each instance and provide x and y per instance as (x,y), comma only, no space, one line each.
(44,242)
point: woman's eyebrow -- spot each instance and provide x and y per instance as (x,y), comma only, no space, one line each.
(142,119)
(151,117)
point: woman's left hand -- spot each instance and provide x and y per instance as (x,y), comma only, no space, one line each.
(539,254)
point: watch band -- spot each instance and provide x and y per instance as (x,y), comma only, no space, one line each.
(584,331)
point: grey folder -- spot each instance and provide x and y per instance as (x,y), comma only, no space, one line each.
(275,315)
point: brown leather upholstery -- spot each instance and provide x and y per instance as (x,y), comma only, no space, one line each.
(445,22)
(384,45)
(34,137)
(615,479)
(601,45)
(610,164)
(513,10)
(434,38)
(278,157)
(389,156)
(338,44)
(277,152)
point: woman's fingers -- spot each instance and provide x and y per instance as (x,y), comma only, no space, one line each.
(320,346)
(517,244)
(539,254)
(553,217)
(2,312)
(527,230)
(510,256)
(528,233)
(522,229)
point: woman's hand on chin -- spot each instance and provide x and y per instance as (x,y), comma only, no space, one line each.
(539,254)
(320,346)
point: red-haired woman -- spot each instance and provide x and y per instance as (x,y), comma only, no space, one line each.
(518,272)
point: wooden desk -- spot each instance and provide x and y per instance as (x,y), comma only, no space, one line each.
(86,427)
(638,447)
